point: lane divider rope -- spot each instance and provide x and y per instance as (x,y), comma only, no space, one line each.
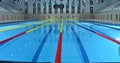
(36,28)
(100,34)
(28,31)
(59,47)
(15,27)
(8,39)
(24,25)
(106,26)
(36,56)
(84,55)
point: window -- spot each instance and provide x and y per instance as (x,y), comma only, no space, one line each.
(79,6)
(83,6)
(50,7)
(102,1)
(91,9)
(26,6)
(44,7)
(39,6)
(73,7)
(34,6)
(67,7)
(91,2)
(61,6)
(55,7)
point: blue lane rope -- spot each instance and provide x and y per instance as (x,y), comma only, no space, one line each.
(85,57)
(40,47)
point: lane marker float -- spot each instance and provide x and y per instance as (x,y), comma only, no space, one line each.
(59,47)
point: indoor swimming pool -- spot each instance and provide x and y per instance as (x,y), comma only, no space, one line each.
(67,41)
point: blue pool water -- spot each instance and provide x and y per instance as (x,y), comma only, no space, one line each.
(78,44)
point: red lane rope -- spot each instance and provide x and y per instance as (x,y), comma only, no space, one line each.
(111,39)
(59,49)
(6,40)
(100,34)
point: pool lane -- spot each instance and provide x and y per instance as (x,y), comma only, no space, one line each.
(12,32)
(113,33)
(97,48)
(83,52)
(12,27)
(24,32)
(23,48)
(35,58)
(17,23)
(52,51)
(49,49)
(70,48)
(108,26)
(97,32)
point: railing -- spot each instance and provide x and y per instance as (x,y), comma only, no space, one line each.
(6,17)
(106,17)
(109,17)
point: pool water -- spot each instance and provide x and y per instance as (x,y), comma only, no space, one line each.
(74,42)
